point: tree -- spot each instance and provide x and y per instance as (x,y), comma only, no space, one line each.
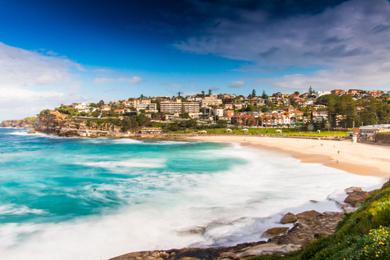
(203,93)
(210,92)
(221,124)
(185,116)
(179,94)
(249,108)
(253,93)
(311,91)
(101,103)
(264,95)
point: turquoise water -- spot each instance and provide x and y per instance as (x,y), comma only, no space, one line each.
(57,179)
(69,198)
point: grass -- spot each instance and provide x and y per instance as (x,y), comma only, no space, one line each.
(364,234)
(269,132)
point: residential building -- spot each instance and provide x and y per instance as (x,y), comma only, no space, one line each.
(173,107)
(211,101)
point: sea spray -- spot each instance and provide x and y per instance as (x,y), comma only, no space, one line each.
(97,198)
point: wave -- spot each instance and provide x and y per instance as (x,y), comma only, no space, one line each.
(131,163)
(12,209)
(20,133)
(99,140)
(107,140)
(174,210)
(35,134)
(104,140)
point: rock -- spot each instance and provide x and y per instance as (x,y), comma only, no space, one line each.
(356,197)
(308,215)
(267,249)
(288,218)
(310,225)
(352,189)
(198,230)
(276,231)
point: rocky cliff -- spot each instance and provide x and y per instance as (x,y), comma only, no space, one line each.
(23,123)
(55,122)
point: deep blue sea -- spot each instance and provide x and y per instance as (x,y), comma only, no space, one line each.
(73,198)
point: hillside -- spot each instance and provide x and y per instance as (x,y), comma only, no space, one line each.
(363,234)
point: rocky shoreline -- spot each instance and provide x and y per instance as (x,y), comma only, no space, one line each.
(24,123)
(281,240)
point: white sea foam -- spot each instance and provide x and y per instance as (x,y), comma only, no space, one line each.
(19,132)
(166,142)
(130,163)
(24,132)
(12,209)
(231,207)
(106,140)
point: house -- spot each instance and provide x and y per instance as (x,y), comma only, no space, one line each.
(368,132)
(211,101)
(228,113)
(219,112)
(355,92)
(376,93)
(320,115)
(338,92)
(106,108)
(81,107)
(119,111)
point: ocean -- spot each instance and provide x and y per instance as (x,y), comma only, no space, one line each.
(73,198)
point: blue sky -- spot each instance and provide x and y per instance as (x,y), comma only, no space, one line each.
(54,52)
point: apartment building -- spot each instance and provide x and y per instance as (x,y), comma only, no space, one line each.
(211,101)
(178,107)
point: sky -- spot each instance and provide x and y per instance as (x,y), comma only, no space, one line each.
(54,52)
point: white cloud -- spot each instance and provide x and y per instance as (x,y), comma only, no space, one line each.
(30,81)
(20,94)
(126,80)
(237,84)
(349,42)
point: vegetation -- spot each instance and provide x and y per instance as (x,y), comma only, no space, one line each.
(353,112)
(134,122)
(68,110)
(364,234)
(261,131)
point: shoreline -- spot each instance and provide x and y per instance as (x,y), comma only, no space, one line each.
(341,154)
(289,240)
(356,158)
(303,231)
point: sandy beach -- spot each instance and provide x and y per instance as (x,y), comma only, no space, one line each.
(358,158)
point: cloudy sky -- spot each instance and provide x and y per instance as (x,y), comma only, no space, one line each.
(54,52)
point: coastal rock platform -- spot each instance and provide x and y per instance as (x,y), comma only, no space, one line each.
(309,225)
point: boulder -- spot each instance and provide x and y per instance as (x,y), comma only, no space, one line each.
(276,231)
(356,197)
(308,215)
(312,226)
(265,249)
(352,189)
(288,218)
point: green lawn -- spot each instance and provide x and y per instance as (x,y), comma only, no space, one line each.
(269,131)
